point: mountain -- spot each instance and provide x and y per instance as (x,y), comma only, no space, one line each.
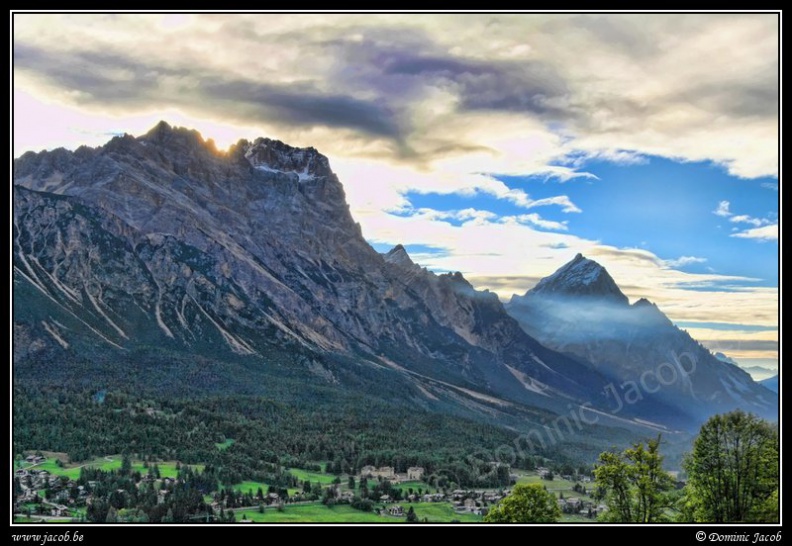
(724,358)
(583,279)
(579,310)
(155,258)
(770,383)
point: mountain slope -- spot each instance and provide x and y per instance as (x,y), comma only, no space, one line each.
(770,383)
(654,365)
(250,257)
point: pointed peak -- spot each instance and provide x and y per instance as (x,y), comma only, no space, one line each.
(650,312)
(399,256)
(397,248)
(164,133)
(159,131)
(581,277)
(162,126)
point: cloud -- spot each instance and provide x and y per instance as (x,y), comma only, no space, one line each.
(722,210)
(137,83)
(764,230)
(765,233)
(471,216)
(415,81)
(770,186)
(302,104)
(745,219)
(534,219)
(685,260)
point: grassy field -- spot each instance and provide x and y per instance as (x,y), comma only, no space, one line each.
(437,512)
(319,513)
(112,462)
(314,477)
(405,486)
(252,487)
(556,485)
(225,445)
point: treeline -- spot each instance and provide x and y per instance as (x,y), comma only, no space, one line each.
(268,435)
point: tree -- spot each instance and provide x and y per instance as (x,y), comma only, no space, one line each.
(528,503)
(411,516)
(634,483)
(733,471)
(126,465)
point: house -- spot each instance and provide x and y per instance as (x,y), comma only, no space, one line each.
(415,473)
(385,472)
(59,511)
(469,504)
(385,499)
(396,511)
(492,497)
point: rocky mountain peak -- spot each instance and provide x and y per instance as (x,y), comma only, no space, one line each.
(164,134)
(398,256)
(273,155)
(650,313)
(581,277)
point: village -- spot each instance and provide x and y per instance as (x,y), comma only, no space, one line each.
(48,490)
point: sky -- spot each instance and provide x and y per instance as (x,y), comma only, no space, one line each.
(498,145)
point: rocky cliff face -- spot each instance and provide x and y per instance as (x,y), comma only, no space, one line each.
(581,311)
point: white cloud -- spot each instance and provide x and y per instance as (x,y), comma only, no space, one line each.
(723,209)
(745,219)
(765,233)
(685,260)
(765,229)
(535,220)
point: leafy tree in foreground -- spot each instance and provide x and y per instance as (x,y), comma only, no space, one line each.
(528,503)
(635,483)
(733,471)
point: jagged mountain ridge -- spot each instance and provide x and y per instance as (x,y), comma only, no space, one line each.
(580,310)
(162,241)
